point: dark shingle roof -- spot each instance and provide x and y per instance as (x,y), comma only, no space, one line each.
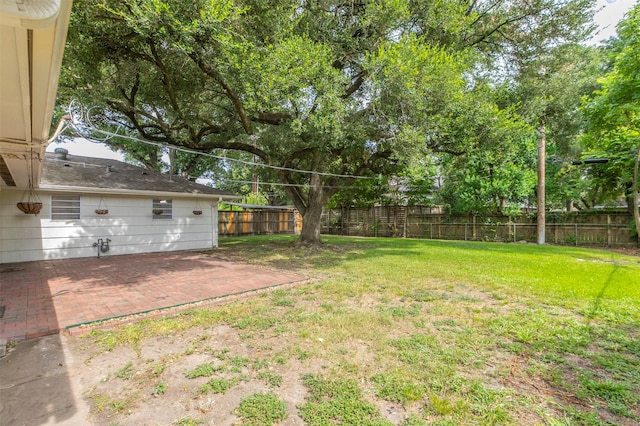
(88,172)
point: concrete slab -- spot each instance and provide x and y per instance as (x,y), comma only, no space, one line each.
(37,385)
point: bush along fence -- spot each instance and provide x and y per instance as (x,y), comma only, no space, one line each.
(259,221)
(599,227)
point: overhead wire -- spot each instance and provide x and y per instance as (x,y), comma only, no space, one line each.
(87,132)
(109,135)
(290,184)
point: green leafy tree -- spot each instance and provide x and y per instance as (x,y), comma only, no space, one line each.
(613,114)
(324,91)
(497,179)
(549,89)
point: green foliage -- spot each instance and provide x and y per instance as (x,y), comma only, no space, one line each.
(273,380)
(613,116)
(262,409)
(396,388)
(255,199)
(337,401)
(219,385)
(204,370)
(187,421)
(492,180)
(126,372)
(160,389)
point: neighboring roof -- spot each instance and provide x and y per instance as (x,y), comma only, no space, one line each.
(100,175)
(32,39)
(258,207)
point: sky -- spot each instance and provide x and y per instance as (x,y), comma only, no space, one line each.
(85,148)
(608,14)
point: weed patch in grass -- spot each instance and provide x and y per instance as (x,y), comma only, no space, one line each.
(125,372)
(271,379)
(281,298)
(394,388)
(413,420)
(618,396)
(337,402)
(160,389)
(237,362)
(204,370)
(262,409)
(218,385)
(255,322)
(441,405)
(187,421)
(115,405)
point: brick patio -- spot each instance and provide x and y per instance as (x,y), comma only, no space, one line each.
(47,297)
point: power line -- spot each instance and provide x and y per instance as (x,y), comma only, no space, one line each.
(286,184)
(81,133)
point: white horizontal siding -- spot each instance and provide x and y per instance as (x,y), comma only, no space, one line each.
(129,225)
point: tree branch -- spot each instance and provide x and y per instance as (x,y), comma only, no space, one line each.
(228,91)
(486,35)
(273,118)
(357,83)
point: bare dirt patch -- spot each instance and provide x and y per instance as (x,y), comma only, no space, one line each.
(150,385)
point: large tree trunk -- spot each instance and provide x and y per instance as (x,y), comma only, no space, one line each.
(311,224)
(310,203)
(312,213)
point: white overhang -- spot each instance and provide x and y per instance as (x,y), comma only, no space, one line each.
(32,39)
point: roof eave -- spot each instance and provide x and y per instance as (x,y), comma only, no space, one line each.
(134,192)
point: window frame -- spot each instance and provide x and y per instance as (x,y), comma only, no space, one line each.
(65,207)
(166,205)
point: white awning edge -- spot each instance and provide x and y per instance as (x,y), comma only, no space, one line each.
(32,15)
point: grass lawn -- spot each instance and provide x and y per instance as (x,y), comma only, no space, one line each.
(390,331)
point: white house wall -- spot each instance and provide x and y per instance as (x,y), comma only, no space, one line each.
(129,225)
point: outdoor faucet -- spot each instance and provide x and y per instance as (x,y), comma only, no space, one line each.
(102,245)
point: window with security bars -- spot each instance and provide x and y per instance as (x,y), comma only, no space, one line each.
(65,207)
(162,209)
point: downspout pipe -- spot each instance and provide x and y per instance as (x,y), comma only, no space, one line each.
(214,223)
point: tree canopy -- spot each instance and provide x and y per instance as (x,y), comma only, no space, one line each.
(613,115)
(327,92)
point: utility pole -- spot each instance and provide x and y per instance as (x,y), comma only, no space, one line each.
(255,171)
(542,154)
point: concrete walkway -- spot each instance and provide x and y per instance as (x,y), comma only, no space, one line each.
(46,297)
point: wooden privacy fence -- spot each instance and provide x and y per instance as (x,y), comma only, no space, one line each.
(258,222)
(576,228)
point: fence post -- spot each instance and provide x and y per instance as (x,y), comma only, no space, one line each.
(515,239)
(473,234)
(608,230)
(365,222)
(575,225)
(404,222)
